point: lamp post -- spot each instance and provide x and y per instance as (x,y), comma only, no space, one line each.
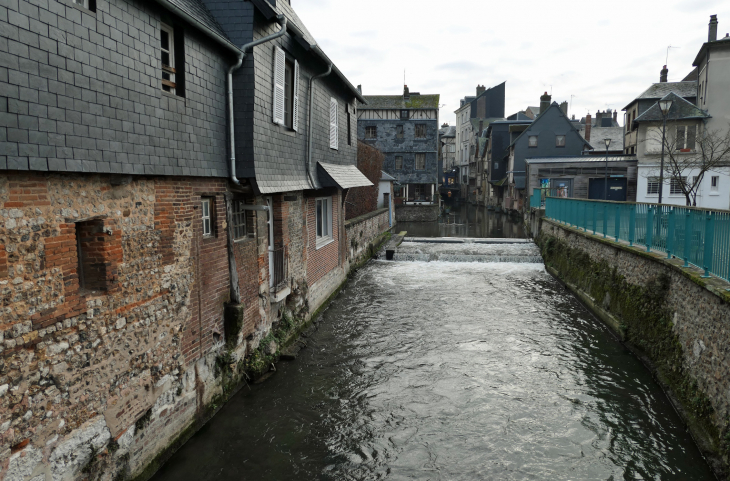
(605,181)
(664,106)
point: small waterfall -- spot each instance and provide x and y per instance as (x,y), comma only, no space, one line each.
(471,250)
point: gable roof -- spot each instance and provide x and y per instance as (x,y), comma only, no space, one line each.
(616,134)
(386,176)
(724,41)
(449,131)
(681,109)
(659,90)
(534,122)
(295,27)
(418,101)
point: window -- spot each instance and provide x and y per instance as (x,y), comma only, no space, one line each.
(675,186)
(404,114)
(398,162)
(324,220)
(420,131)
(560,141)
(286,91)
(496,165)
(420,161)
(371,132)
(532,141)
(398,131)
(652,186)
(418,192)
(95,247)
(206,216)
(90,4)
(349,127)
(167,54)
(243,220)
(686,135)
(334,126)
(715,183)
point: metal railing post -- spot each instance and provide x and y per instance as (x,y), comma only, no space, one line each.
(709,243)
(585,216)
(670,233)
(649,228)
(632,224)
(605,220)
(687,237)
(618,222)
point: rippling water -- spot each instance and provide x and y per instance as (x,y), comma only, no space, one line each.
(449,371)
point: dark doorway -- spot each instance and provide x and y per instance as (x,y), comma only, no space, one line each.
(616,189)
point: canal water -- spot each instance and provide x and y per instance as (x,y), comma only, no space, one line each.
(449,371)
(464,220)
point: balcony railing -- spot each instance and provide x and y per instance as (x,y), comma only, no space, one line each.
(281,268)
(700,237)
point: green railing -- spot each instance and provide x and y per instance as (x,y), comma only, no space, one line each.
(698,236)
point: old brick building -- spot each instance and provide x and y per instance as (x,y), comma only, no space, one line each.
(132,225)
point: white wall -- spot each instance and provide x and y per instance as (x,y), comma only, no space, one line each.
(706,198)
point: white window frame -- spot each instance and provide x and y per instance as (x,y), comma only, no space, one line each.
(323,223)
(557,143)
(81,3)
(334,125)
(206,217)
(715,183)
(652,186)
(243,221)
(675,187)
(171,53)
(529,141)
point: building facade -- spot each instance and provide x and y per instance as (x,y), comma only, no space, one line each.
(405,128)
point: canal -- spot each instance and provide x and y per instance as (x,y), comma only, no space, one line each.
(449,371)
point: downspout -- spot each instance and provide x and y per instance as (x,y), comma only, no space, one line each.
(309,122)
(235,292)
(281,20)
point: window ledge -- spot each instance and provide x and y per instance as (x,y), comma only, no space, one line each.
(712,193)
(242,240)
(324,242)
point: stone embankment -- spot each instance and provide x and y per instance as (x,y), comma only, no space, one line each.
(674,319)
(417,213)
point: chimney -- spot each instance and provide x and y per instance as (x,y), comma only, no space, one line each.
(406,92)
(564,108)
(615,115)
(599,116)
(359,89)
(480,89)
(663,75)
(445,125)
(712,35)
(588,127)
(544,102)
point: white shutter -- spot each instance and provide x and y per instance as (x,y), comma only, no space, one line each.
(333,124)
(279,73)
(295,102)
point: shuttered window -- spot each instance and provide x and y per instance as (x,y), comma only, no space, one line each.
(279,85)
(334,134)
(295,98)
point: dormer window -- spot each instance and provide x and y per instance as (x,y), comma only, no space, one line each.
(532,141)
(560,141)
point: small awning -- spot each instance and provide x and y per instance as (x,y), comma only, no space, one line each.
(342,176)
(500,183)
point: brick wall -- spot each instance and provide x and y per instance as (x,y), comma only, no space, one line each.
(140,344)
(323,260)
(80,92)
(362,200)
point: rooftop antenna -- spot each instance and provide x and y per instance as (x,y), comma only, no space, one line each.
(666,60)
(571,101)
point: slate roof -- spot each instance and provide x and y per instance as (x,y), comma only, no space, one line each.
(616,134)
(197,10)
(681,109)
(343,176)
(385,176)
(659,90)
(429,101)
(580,159)
(554,104)
(721,41)
(449,131)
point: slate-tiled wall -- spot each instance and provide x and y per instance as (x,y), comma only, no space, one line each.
(391,146)
(79,92)
(273,154)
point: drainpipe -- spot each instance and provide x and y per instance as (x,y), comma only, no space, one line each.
(309,122)
(281,20)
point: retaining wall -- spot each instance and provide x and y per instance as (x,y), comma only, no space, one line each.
(676,320)
(362,233)
(416,213)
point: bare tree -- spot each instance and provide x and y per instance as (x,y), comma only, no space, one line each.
(692,151)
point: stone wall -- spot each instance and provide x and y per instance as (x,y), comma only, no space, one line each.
(670,314)
(416,213)
(105,361)
(362,233)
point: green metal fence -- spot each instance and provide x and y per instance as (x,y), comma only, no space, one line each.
(700,237)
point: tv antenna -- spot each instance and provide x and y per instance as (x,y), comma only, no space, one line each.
(666,60)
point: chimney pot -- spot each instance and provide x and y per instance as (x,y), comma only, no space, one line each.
(588,127)
(712,34)
(406,92)
(663,74)
(544,102)
(359,89)
(480,89)
(615,114)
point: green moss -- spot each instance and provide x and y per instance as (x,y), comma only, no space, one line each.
(645,320)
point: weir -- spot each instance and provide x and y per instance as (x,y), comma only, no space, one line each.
(455,249)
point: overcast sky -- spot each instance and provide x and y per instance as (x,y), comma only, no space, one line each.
(603,53)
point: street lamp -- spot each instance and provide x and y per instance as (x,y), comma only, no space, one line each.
(664,106)
(605,181)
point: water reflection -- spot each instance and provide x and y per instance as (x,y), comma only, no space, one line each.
(466,220)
